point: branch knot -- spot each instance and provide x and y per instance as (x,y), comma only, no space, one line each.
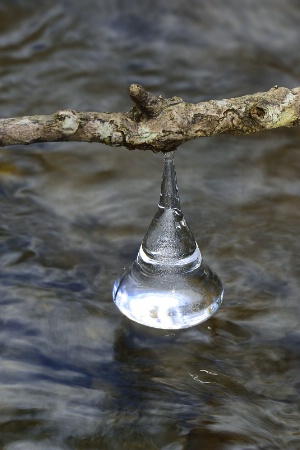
(68,121)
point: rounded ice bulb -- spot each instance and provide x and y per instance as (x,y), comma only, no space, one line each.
(168,286)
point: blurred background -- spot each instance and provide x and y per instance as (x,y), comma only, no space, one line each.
(74,373)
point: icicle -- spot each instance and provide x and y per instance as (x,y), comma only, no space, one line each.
(168,285)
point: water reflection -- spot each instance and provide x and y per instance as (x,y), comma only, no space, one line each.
(160,385)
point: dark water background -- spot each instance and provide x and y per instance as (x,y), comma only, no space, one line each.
(75,374)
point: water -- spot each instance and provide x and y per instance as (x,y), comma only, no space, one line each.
(74,374)
(168,286)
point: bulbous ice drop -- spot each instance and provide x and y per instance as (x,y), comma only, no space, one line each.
(168,286)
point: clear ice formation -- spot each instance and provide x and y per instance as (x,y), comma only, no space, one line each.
(168,286)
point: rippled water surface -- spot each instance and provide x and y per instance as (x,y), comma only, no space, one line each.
(74,373)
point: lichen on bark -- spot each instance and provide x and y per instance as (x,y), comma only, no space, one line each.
(159,124)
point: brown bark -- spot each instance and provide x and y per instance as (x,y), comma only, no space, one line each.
(159,124)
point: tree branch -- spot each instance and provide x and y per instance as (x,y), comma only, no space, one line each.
(159,124)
